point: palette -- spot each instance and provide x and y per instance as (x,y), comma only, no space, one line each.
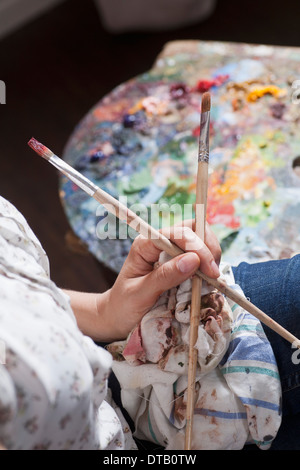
(140,144)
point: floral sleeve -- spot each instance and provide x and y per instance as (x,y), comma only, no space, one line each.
(53,383)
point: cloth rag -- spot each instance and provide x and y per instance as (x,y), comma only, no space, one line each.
(238,390)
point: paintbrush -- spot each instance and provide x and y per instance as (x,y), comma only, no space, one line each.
(200,220)
(158,239)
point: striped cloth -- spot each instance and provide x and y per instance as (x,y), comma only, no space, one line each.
(238,400)
(250,371)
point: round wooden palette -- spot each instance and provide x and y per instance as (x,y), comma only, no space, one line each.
(140,144)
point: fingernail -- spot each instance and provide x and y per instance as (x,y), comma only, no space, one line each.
(187,263)
(215,268)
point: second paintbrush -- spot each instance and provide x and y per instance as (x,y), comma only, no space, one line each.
(200,220)
(136,222)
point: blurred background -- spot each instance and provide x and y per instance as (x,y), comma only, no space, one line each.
(60,57)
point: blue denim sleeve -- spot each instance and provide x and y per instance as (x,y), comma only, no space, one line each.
(274,287)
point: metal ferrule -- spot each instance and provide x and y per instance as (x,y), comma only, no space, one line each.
(81,181)
(203,153)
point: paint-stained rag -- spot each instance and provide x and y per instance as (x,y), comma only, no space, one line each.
(238,391)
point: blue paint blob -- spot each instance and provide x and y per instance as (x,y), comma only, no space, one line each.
(129,120)
(96,157)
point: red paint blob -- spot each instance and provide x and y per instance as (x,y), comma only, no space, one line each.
(205,85)
(39,148)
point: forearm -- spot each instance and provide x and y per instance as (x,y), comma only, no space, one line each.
(92,314)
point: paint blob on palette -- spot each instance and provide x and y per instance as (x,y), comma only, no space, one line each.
(140,144)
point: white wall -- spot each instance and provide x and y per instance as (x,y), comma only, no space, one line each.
(15,13)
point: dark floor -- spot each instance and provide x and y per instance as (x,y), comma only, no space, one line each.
(58,67)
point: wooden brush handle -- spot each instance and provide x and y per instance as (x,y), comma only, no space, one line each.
(163,243)
(195,316)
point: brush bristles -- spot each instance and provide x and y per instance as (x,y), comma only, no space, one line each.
(205,104)
(40,149)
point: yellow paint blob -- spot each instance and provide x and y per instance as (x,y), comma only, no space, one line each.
(258,92)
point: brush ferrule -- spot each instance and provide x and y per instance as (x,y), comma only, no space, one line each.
(80,180)
(203,153)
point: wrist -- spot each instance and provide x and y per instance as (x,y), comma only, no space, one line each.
(112,317)
(93,314)
(105,330)
(108,328)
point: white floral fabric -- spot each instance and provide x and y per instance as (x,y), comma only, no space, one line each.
(53,380)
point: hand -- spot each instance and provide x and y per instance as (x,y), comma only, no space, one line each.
(138,285)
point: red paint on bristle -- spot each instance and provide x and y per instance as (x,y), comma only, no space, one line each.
(39,148)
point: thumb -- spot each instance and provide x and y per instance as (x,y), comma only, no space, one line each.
(173,272)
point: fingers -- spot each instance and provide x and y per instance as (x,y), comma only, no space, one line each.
(173,272)
(187,240)
(213,244)
(211,239)
(144,253)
